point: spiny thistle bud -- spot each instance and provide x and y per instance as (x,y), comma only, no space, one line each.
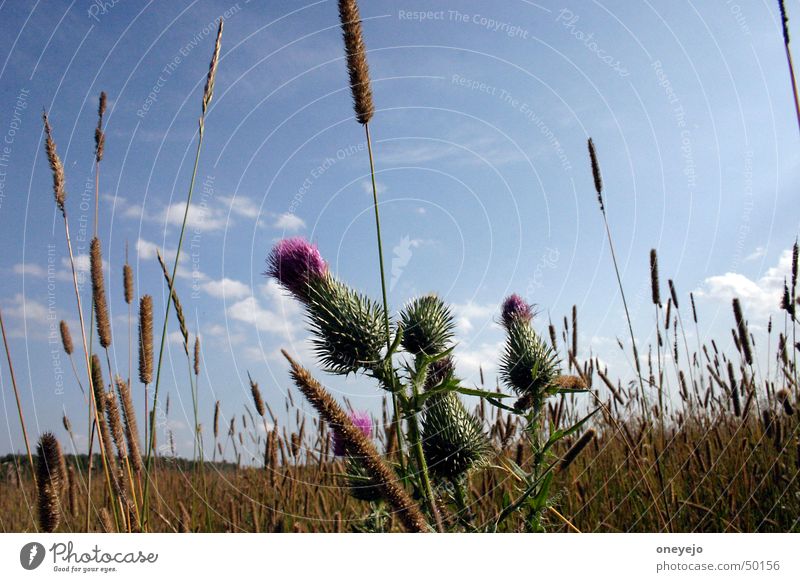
(349,328)
(295,262)
(439,371)
(362,486)
(362,421)
(516,308)
(428,326)
(453,439)
(528,364)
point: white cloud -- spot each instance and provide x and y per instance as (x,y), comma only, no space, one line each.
(470,314)
(759,297)
(289,221)
(24,307)
(227,288)
(756,254)
(146,250)
(281,315)
(241,205)
(29,270)
(470,361)
(122,208)
(200,217)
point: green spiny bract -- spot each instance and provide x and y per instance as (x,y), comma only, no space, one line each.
(349,328)
(528,364)
(453,439)
(362,486)
(428,326)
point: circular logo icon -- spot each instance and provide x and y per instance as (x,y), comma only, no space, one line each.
(31,555)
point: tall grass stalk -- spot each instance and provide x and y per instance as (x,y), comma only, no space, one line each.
(598,184)
(207,96)
(360,86)
(60,198)
(789,61)
(17,399)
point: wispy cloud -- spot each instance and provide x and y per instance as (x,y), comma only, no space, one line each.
(289,222)
(471,315)
(276,313)
(29,270)
(760,297)
(240,205)
(227,288)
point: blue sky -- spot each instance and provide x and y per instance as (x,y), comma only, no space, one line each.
(483,111)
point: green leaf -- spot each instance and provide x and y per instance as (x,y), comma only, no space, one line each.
(541,497)
(482,393)
(560,434)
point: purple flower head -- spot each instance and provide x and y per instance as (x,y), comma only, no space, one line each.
(363,422)
(516,308)
(295,262)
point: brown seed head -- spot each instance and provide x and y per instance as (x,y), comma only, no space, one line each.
(176,302)
(673,293)
(654,284)
(146,339)
(50,478)
(784,398)
(127,283)
(784,22)
(208,92)
(66,338)
(408,511)
(99,135)
(744,335)
(257,400)
(115,423)
(598,179)
(99,294)
(55,166)
(357,66)
(576,449)
(131,426)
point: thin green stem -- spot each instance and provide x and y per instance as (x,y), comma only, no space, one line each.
(645,405)
(148,461)
(395,406)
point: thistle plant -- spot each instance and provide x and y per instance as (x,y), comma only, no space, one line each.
(419,370)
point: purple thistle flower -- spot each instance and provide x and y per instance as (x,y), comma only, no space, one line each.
(363,422)
(516,308)
(295,262)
